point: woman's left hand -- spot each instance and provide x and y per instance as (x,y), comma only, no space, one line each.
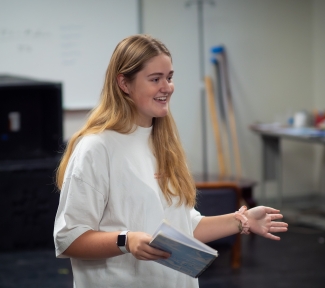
(261,221)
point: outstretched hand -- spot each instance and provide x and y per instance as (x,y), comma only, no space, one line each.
(261,221)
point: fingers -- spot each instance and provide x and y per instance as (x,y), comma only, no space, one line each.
(278,229)
(271,210)
(279,224)
(138,244)
(272,237)
(276,216)
(152,254)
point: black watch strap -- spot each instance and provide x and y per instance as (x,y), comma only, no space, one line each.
(122,239)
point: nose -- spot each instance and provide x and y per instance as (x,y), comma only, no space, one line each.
(167,87)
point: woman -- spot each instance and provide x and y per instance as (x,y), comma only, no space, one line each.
(125,171)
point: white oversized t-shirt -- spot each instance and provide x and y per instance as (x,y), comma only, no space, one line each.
(110,185)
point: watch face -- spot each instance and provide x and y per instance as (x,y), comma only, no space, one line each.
(121,240)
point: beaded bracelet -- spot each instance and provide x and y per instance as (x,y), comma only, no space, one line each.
(243,221)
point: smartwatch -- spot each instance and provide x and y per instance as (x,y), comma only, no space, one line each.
(122,240)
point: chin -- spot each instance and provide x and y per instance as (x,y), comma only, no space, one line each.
(161,115)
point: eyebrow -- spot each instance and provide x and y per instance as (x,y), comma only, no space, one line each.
(160,74)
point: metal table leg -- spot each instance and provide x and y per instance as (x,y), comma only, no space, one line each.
(271,165)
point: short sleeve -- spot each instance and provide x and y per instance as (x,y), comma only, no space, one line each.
(80,210)
(83,196)
(195,217)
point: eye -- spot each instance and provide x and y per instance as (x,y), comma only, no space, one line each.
(155,80)
(170,78)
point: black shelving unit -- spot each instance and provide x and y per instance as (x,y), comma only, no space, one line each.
(30,142)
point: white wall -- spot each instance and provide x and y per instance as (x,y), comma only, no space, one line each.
(73,121)
(319,53)
(175,25)
(319,83)
(269,46)
(276,66)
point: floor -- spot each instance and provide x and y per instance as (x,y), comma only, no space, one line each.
(297,261)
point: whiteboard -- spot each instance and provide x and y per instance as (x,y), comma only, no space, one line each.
(67,41)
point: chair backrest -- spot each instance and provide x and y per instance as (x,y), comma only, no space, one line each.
(218,201)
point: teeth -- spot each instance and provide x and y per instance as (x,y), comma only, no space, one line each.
(161,98)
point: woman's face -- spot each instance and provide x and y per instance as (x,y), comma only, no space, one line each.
(152,88)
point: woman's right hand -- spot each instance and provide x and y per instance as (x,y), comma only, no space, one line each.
(138,245)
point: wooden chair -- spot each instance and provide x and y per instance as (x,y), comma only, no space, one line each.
(217,198)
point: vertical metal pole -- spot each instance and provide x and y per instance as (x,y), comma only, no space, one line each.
(140,17)
(272,165)
(203,100)
(200,4)
(279,174)
(264,169)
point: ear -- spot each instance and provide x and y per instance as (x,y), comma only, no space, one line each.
(121,81)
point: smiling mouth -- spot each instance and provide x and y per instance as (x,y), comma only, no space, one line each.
(161,99)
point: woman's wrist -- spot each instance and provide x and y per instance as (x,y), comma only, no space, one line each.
(243,225)
(128,241)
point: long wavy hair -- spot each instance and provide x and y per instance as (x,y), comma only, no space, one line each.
(117,111)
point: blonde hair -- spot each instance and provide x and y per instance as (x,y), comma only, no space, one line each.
(116,111)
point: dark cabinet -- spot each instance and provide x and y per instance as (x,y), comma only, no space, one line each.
(28,204)
(30,140)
